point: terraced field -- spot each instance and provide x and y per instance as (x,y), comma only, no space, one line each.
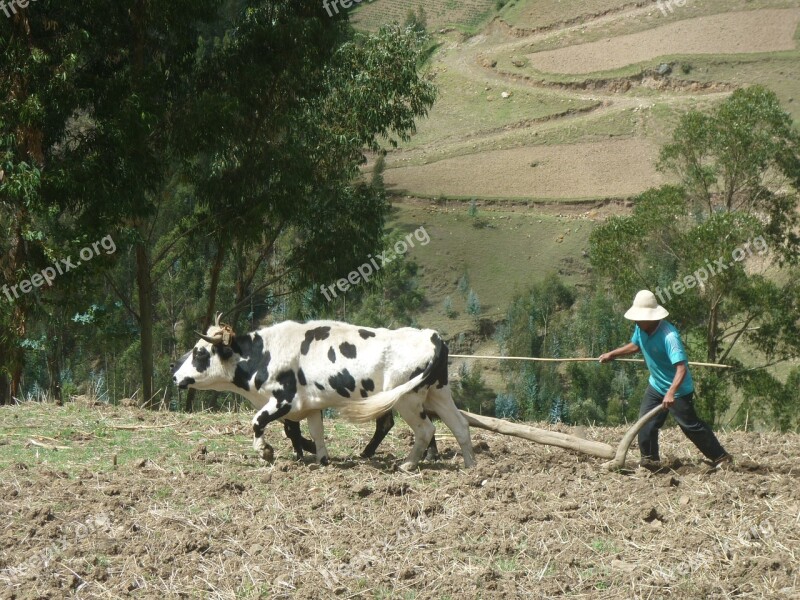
(734,33)
(553,102)
(440,13)
(554,13)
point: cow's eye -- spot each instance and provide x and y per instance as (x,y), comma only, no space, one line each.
(200,353)
(224,352)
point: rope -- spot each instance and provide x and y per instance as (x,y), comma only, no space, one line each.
(538,359)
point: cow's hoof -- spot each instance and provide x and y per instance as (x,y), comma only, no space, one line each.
(408,467)
(264,449)
(268,454)
(324,461)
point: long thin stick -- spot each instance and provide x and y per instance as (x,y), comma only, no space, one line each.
(539,359)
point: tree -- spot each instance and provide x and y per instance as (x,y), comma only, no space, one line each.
(525,331)
(506,407)
(447,305)
(473,303)
(417,21)
(470,391)
(237,155)
(710,247)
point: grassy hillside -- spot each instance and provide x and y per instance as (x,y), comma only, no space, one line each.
(470,108)
(500,251)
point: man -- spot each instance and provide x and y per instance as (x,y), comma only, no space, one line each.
(670,382)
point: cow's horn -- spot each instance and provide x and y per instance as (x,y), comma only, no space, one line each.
(211,340)
(216,321)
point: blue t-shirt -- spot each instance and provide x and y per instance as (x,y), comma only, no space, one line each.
(662,351)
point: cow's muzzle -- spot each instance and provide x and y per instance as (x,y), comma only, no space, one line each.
(184,383)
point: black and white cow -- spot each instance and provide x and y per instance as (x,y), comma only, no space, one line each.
(294,371)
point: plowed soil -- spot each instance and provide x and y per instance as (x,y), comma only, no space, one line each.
(189,512)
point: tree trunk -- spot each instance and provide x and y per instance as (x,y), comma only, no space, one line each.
(54,371)
(216,269)
(19,319)
(4,395)
(16,374)
(145,285)
(713,344)
(711,338)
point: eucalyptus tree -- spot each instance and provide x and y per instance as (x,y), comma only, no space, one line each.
(85,122)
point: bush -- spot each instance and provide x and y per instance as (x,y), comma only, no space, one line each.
(473,304)
(449,311)
(463,283)
(506,407)
(559,412)
(471,393)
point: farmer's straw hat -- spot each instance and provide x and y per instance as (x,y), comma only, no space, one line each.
(646,308)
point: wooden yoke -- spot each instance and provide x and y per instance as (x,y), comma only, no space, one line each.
(616,457)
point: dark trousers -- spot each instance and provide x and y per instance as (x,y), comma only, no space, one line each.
(683,412)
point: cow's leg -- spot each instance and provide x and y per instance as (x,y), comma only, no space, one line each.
(441,402)
(299,443)
(272,411)
(410,408)
(433,452)
(318,435)
(383,425)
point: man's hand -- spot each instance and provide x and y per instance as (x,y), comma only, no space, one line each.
(606,357)
(669,400)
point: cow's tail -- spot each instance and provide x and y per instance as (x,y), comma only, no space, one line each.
(369,409)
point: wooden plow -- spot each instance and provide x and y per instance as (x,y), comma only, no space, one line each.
(615,456)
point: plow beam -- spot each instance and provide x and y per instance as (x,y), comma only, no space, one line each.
(615,456)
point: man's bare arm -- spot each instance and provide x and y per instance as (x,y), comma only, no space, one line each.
(629,348)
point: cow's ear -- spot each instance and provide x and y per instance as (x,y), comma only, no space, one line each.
(225,352)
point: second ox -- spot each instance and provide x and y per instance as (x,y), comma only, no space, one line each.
(293,371)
